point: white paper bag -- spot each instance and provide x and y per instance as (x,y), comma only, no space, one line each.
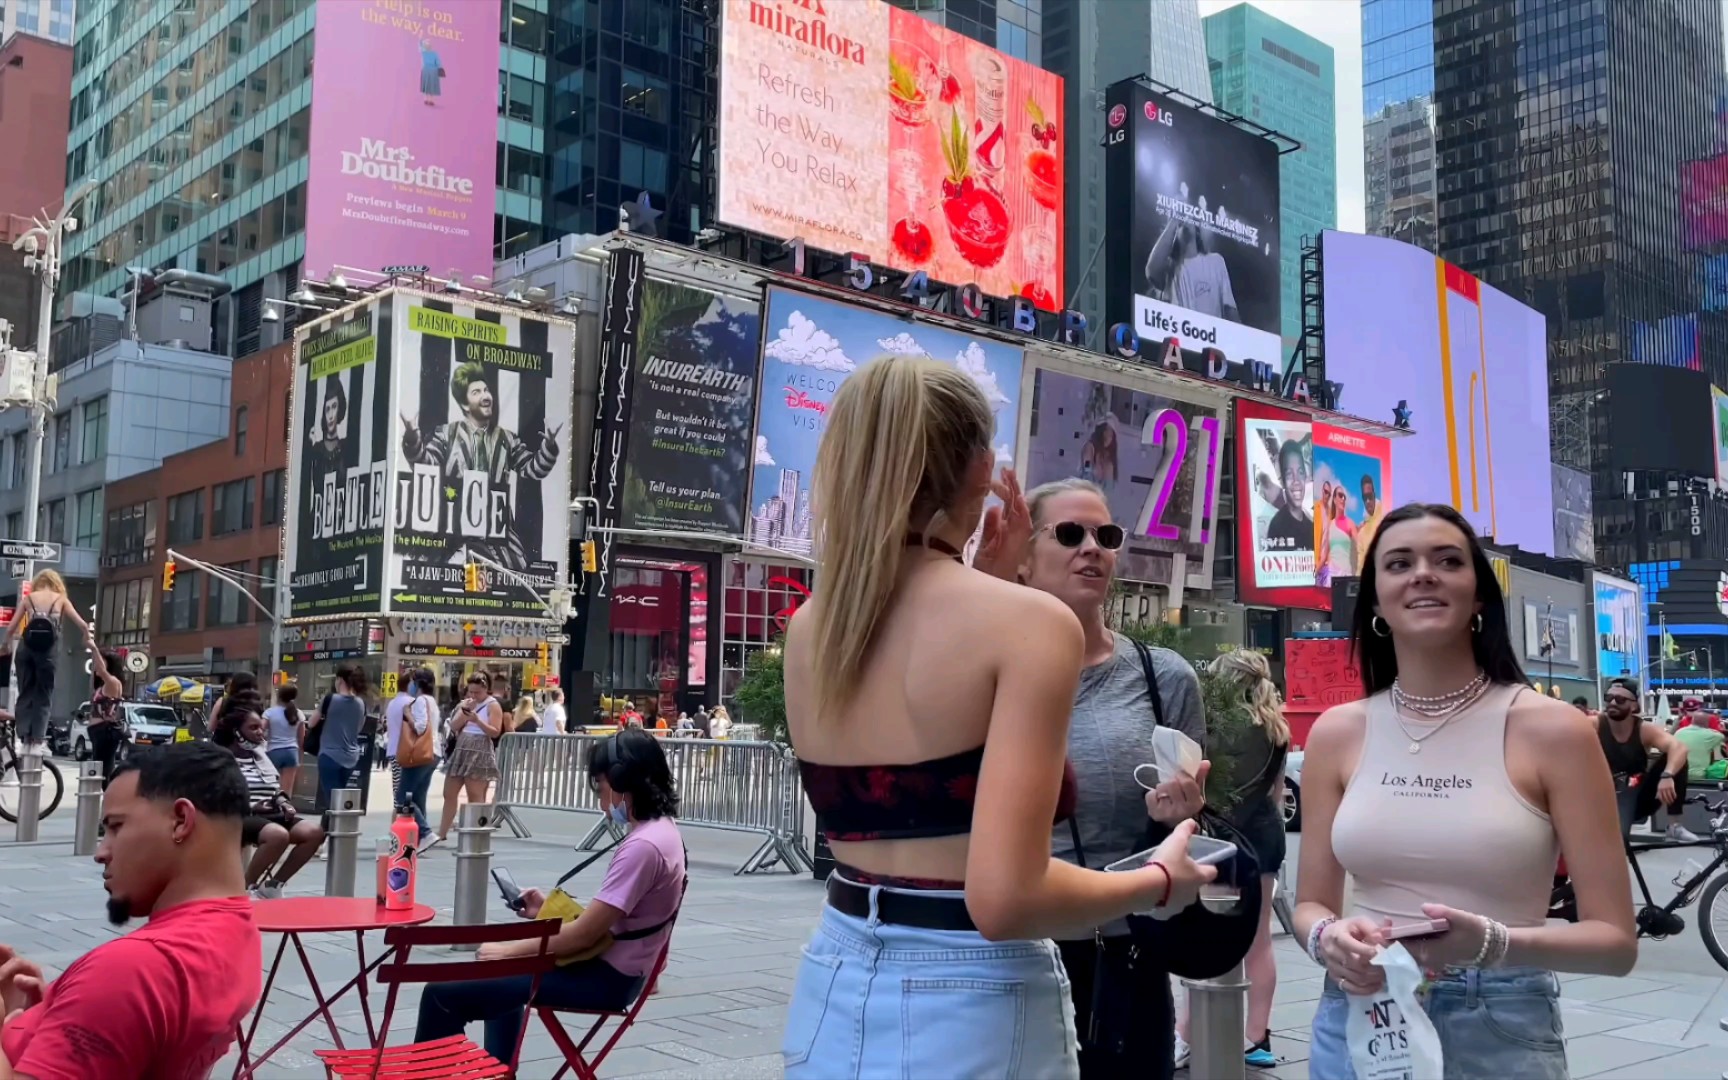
(1389,1035)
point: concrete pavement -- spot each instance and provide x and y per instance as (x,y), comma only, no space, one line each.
(721,1006)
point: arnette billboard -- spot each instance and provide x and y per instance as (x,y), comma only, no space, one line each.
(1468,361)
(1309,500)
(1198,258)
(404,118)
(862,128)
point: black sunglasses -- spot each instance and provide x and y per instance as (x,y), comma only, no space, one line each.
(1072,534)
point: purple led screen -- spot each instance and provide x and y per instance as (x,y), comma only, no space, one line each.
(1386,305)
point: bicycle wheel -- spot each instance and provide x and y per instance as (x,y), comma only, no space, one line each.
(1713,919)
(53,787)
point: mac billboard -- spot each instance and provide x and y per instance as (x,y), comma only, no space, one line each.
(1198,258)
(861,128)
(1469,362)
(404,124)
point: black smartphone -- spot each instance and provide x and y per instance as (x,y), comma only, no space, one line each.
(507,886)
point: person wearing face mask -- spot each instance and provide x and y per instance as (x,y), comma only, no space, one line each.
(606,954)
(272,825)
(1447,794)
(1060,540)
(167,999)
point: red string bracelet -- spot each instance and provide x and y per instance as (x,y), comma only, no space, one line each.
(1169,882)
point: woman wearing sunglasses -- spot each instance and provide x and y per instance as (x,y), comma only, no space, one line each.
(1061,540)
(929,707)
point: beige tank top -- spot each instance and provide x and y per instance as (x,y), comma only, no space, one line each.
(1443,825)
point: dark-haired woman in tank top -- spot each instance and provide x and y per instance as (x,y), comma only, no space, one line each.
(1447,795)
(929,705)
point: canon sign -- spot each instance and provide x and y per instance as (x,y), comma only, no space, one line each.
(391,164)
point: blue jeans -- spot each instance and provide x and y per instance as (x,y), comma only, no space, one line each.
(331,777)
(879,1000)
(1503,1022)
(589,985)
(412,784)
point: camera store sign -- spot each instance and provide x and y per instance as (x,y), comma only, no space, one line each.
(1018,314)
(444,626)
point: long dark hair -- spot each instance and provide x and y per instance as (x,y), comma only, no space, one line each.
(288,695)
(1492,644)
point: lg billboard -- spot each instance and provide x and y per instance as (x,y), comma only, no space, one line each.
(861,128)
(1468,361)
(1198,258)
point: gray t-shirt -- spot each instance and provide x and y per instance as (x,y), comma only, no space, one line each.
(342,721)
(1110,734)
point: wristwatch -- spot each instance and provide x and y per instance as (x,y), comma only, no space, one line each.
(1670,776)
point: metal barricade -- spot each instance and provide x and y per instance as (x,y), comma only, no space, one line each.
(750,787)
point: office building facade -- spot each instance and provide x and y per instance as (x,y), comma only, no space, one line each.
(1091,46)
(51,19)
(1562,126)
(1399,161)
(193,122)
(1270,72)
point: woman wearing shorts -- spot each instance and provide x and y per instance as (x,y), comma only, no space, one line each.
(284,746)
(478,720)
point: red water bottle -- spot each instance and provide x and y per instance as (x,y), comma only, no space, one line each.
(404,860)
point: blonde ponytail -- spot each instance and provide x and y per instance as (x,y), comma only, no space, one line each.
(1250,670)
(901,434)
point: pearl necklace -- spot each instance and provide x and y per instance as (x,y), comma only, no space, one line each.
(1458,702)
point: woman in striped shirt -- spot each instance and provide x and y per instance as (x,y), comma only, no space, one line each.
(273,825)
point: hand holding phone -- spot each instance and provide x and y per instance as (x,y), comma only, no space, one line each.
(1421,928)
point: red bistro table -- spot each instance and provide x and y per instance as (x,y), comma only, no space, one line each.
(299,915)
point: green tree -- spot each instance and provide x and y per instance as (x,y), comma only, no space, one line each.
(761,695)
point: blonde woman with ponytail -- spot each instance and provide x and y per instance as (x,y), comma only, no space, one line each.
(1259,815)
(928,703)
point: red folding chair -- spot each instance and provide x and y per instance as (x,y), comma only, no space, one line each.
(575,1052)
(456,1056)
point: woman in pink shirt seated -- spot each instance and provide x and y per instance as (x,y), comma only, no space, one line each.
(635,905)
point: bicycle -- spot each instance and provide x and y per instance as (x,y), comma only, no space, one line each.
(53,785)
(1705,887)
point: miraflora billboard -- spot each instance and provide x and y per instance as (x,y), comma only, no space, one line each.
(1198,258)
(1469,363)
(692,411)
(482,402)
(338,449)
(810,346)
(1157,459)
(404,118)
(859,127)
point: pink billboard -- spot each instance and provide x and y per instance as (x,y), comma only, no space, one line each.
(404,136)
(1704,201)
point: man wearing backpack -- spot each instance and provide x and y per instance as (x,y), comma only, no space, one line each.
(35,633)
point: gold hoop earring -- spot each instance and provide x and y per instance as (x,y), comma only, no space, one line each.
(1476,623)
(1375,625)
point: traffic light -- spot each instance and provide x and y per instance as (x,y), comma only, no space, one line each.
(543,653)
(590,557)
(168,572)
(471,577)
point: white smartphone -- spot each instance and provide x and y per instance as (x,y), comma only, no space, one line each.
(1421,928)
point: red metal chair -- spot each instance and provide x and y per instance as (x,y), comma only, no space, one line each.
(456,1056)
(587,1068)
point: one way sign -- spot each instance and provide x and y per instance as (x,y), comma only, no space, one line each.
(25,549)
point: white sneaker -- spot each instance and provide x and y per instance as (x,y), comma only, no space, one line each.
(1181,1052)
(269,891)
(431,843)
(1682,834)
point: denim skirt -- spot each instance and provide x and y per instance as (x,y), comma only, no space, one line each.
(875,1000)
(1503,1023)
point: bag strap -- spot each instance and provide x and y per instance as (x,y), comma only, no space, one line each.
(1151,681)
(647,931)
(1074,831)
(589,861)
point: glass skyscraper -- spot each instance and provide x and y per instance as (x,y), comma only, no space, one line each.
(1398,119)
(1274,74)
(193,120)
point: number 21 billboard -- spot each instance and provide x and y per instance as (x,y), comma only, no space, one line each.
(1157,459)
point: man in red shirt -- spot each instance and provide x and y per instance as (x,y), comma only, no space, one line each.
(163,1002)
(1692,714)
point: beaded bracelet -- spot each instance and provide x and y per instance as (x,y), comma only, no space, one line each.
(1169,883)
(1314,934)
(1495,941)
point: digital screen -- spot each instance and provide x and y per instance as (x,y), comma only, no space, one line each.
(1198,260)
(1574,524)
(1674,401)
(1619,628)
(859,127)
(1704,201)
(1470,364)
